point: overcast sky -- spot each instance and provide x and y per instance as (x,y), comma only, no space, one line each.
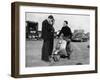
(75,21)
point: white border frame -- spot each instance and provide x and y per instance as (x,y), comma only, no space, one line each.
(54,69)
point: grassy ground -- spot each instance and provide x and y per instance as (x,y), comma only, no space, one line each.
(80,54)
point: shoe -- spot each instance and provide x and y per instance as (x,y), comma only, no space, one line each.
(68,57)
(63,56)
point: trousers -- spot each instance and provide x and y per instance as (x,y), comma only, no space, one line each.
(47,49)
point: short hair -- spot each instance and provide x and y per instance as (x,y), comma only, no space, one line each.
(66,22)
(51,17)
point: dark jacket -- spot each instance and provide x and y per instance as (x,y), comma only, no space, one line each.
(47,30)
(66,32)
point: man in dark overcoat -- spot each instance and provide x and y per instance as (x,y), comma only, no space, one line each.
(48,38)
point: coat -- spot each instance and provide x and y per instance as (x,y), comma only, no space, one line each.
(66,32)
(47,30)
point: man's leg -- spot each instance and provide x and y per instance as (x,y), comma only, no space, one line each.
(45,52)
(68,49)
(50,47)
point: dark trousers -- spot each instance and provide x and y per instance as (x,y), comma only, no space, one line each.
(47,49)
(68,48)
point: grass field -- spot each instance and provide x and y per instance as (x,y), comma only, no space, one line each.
(80,54)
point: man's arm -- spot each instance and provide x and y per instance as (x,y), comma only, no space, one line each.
(70,33)
(44,30)
(60,32)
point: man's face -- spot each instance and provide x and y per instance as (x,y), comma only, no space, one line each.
(64,24)
(50,21)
